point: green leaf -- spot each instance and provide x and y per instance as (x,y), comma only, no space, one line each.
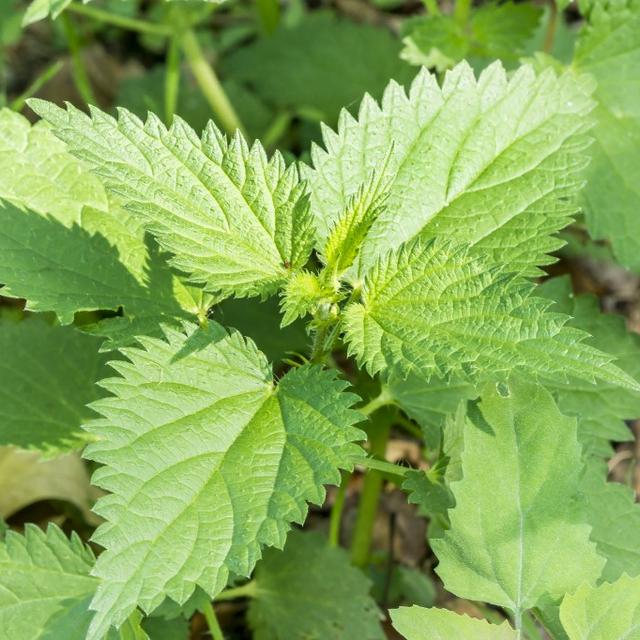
(310,590)
(609,49)
(614,516)
(204,458)
(603,408)
(234,221)
(302,68)
(47,377)
(420,623)
(605,612)
(302,295)
(40,9)
(494,31)
(428,491)
(518,534)
(71,223)
(495,162)
(43,577)
(437,308)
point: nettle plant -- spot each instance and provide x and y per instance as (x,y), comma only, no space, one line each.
(411,249)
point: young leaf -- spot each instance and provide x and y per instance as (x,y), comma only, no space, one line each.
(437,308)
(609,49)
(47,377)
(606,612)
(234,220)
(603,408)
(494,161)
(518,533)
(310,590)
(204,458)
(302,294)
(44,577)
(420,623)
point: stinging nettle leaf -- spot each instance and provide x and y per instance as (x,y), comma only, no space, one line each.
(48,375)
(610,611)
(310,590)
(421,623)
(492,161)
(234,221)
(518,533)
(437,308)
(205,458)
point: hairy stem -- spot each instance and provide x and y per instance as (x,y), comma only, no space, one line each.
(172,77)
(210,84)
(131,24)
(212,622)
(383,399)
(378,431)
(78,70)
(247,590)
(336,511)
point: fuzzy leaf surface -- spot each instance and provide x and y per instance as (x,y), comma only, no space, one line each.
(204,458)
(44,576)
(48,375)
(610,611)
(310,571)
(609,49)
(437,308)
(493,161)
(518,534)
(235,221)
(421,623)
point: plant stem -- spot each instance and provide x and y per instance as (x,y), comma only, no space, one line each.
(269,13)
(276,130)
(209,83)
(336,511)
(432,7)
(37,84)
(383,466)
(383,399)
(530,628)
(212,621)
(367,509)
(247,590)
(172,77)
(131,24)
(551,27)
(79,72)
(461,11)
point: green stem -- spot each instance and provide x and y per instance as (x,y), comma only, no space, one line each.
(209,83)
(49,73)
(269,13)
(212,622)
(276,130)
(79,71)
(172,77)
(530,628)
(336,511)
(389,469)
(131,24)
(410,427)
(247,590)
(461,11)
(432,7)
(383,399)
(378,431)
(551,28)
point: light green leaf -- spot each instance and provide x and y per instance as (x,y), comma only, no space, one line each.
(43,576)
(235,221)
(47,377)
(204,458)
(603,408)
(518,534)
(495,162)
(302,295)
(428,491)
(420,623)
(302,68)
(40,9)
(614,515)
(605,612)
(437,308)
(310,590)
(609,48)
